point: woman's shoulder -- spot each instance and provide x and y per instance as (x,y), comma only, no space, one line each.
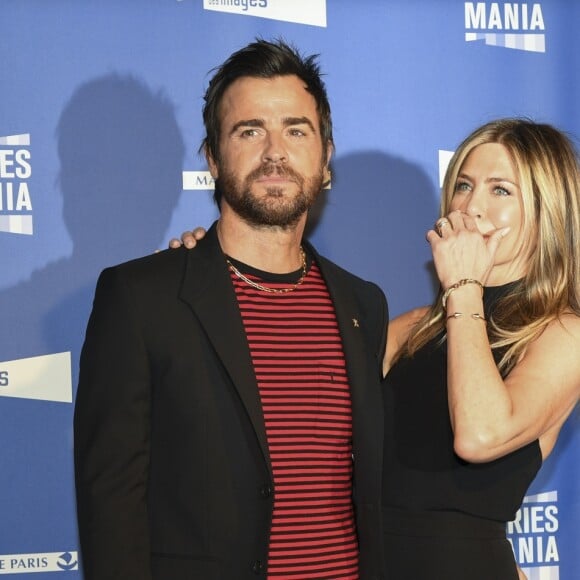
(570,320)
(565,328)
(563,332)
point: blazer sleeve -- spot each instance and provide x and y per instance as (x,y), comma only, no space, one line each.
(111,428)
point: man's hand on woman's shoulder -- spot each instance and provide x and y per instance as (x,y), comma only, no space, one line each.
(188,239)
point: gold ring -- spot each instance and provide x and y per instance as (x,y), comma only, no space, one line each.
(440,223)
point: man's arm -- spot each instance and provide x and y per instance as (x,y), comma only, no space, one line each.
(112,438)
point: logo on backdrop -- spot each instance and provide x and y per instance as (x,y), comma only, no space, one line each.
(197,180)
(311,12)
(444,159)
(507,24)
(44,378)
(15,170)
(533,536)
(44,562)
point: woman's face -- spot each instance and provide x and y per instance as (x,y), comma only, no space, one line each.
(487,189)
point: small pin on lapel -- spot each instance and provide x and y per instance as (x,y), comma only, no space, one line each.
(355,322)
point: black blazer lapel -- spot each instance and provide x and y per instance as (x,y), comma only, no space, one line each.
(207,289)
(364,369)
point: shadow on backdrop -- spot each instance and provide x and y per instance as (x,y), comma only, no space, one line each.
(374,223)
(121,156)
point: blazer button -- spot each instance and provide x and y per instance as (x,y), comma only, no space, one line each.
(266,491)
(258,567)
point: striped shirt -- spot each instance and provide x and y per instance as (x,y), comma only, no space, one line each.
(300,368)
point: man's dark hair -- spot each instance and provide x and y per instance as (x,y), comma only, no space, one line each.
(263,59)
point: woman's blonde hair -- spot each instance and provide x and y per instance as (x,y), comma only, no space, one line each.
(546,165)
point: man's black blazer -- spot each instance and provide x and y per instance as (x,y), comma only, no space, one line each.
(172,470)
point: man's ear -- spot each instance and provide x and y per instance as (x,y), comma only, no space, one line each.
(326,172)
(329,152)
(326,176)
(211,164)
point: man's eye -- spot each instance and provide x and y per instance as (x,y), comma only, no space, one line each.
(249,133)
(297,133)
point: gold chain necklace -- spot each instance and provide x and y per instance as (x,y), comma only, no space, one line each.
(265,288)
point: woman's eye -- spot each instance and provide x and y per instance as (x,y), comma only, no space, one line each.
(501,191)
(462,186)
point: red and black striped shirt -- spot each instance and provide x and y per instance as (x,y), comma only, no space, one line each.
(300,368)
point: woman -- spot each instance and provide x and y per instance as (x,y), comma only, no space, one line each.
(479,384)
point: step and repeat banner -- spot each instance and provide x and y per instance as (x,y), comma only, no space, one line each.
(100,125)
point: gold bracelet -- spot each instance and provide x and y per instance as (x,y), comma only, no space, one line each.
(475,316)
(453,287)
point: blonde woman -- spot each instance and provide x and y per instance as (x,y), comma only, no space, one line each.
(479,384)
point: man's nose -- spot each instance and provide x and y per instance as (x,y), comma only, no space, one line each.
(274,150)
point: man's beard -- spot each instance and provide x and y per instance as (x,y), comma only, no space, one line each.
(274,208)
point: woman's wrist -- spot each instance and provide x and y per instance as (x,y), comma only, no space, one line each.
(464,283)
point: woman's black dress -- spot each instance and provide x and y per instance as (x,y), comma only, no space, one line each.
(444,519)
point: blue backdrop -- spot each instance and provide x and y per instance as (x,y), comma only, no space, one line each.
(100,126)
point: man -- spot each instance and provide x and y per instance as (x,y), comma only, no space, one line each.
(224,391)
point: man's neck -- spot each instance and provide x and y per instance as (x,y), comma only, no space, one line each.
(268,248)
